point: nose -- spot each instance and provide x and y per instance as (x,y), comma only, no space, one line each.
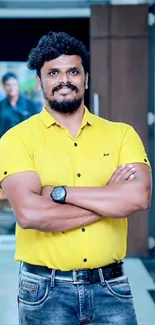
(64,78)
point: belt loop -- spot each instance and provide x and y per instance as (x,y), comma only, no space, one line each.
(20,267)
(52,278)
(101,276)
(74,276)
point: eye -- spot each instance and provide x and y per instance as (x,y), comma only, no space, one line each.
(53,73)
(74,72)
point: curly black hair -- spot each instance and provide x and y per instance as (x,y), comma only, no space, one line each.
(52,45)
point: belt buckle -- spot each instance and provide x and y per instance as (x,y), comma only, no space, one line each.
(83,277)
(80,277)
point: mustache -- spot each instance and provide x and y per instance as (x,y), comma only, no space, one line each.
(61,86)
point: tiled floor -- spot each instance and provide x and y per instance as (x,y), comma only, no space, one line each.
(143,286)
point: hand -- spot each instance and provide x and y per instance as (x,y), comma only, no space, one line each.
(46,191)
(123,173)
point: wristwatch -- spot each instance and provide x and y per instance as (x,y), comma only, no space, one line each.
(58,194)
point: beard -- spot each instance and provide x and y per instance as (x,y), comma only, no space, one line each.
(65,106)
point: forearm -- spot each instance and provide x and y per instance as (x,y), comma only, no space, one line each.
(116,200)
(43,214)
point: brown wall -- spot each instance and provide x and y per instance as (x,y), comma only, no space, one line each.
(119,74)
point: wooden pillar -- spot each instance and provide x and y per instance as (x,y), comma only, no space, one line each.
(119,75)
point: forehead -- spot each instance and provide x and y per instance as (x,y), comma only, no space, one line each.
(11,81)
(64,62)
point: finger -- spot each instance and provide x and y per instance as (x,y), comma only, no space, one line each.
(121,167)
(131,177)
(130,172)
(121,170)
(121,173)
(116,173)
(126,168)
(126,172)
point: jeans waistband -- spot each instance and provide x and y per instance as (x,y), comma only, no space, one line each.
(84,276)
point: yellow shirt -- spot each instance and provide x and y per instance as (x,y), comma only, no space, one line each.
(40,144)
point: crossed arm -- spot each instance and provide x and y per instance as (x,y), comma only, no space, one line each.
(116,199)
(128,191)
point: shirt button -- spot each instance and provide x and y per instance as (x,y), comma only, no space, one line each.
(78,175)
(83,229)
(84,260)
(75,144)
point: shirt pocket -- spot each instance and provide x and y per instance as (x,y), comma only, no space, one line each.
(99,169)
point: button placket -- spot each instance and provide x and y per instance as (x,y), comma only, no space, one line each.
(76,156)
(85,260)
(84,244)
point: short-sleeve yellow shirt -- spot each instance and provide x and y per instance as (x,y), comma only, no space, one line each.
(40,144)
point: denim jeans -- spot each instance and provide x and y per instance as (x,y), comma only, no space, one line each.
(47,301)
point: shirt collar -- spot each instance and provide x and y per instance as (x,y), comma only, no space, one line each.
(49,120)
(87,118)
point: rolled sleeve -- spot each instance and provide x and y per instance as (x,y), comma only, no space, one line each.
(132,149)
(15,157)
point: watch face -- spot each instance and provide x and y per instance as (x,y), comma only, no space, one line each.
(58,193)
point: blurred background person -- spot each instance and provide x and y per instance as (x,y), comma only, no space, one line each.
(15,107)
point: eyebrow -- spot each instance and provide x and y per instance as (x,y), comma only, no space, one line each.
(58,69)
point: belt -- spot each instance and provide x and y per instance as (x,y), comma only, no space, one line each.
(84,276)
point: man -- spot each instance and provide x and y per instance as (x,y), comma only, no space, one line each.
(14,108)
(72,180)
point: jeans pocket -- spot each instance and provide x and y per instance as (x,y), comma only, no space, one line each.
(119,287)
(33,289)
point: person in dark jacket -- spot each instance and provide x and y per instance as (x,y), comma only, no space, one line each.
(14,108)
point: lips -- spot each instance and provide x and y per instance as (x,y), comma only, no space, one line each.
(65,90)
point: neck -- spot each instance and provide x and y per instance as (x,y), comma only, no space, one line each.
(13,100)
(68,121)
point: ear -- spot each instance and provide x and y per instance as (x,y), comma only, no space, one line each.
(38,82)
(86,81)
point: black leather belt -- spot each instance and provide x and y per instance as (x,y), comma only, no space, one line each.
(108,272)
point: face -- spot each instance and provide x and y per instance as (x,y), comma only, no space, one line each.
(11,87)
(63,82)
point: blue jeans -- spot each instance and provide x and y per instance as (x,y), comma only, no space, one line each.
(47,301)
